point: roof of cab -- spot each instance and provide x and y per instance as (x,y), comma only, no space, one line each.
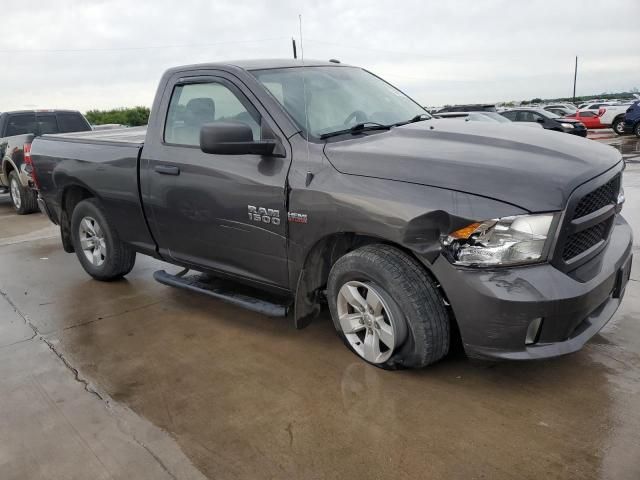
(261,64)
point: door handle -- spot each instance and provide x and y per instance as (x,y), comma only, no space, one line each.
(167,169)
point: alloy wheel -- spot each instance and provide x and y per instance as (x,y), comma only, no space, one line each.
(15,194)
(366,321)
(92,241)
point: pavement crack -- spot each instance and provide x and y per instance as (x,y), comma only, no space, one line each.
(76,374)
(20,341)
(36,333)
(155,457)
(104,317)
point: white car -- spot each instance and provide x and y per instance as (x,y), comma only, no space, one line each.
(489,117)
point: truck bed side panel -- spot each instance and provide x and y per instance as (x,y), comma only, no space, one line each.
(109,170)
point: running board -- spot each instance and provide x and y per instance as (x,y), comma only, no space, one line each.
(4,190)
(225,290)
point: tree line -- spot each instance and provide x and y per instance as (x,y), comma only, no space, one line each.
(131,117)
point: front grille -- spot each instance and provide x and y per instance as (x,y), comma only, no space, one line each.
(579,242)
(582,234)
(602,196)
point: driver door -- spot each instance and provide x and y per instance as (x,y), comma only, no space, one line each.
(201,204)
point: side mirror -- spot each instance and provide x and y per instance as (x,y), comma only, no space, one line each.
(232,138)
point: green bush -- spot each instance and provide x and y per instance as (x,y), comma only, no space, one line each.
(131,117)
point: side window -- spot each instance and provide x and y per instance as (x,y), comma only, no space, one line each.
(526,117)
(587,114)
(72,122)
(510,115)
(20,124)
(46,123)
(193,105)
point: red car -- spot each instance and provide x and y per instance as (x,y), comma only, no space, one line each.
(589,118)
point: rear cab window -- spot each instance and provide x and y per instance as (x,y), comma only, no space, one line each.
(20,124)
(72,122)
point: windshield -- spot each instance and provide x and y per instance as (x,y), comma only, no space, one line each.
(336,98)
(548,114)
(496,117)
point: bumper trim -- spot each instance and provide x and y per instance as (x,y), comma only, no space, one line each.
(587,329)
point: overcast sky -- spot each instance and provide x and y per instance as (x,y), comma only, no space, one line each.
(87,54)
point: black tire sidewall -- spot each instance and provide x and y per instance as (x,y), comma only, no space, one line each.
(28,203)
(615,125)
(359,269)
(109,269)
(636,130)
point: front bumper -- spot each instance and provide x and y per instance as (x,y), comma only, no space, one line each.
(494,308)
(581,132)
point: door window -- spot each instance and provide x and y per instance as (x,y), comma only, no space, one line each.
(587,114)
(510,115)
(193,105)
(526,116)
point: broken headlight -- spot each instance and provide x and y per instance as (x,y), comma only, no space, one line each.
(505,241)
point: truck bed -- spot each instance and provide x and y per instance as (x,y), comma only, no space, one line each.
(130,136)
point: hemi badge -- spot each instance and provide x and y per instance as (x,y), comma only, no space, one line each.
(297,217)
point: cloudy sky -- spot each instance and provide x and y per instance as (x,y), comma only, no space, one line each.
(108,53)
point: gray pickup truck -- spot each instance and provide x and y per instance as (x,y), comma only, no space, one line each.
(17,131)
(285,186)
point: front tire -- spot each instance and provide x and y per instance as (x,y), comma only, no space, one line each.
(618,126)
(636,130)
(101,252)
(387,309)
(24,199)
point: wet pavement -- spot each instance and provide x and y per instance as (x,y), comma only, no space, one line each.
(133,379)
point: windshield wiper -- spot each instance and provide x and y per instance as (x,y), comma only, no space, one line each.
(418,118)
(357,128)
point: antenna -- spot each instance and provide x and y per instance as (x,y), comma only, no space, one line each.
(304,95)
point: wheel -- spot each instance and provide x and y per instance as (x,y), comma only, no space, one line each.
(636,129)
(100,251)
(24,199)
(618,126)
(386,308)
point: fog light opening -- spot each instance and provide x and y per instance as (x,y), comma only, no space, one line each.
(533,332)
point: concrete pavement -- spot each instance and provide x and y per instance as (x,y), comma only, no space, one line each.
(133,379)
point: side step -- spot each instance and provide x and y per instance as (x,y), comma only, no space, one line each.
(227,291)
(4,190)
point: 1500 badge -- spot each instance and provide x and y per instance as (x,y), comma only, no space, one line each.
(264,215)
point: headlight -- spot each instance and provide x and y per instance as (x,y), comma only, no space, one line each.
(567,125)
(504,241)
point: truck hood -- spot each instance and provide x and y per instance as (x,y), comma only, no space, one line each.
(530,168)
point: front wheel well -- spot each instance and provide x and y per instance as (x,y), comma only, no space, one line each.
(313,277)
(71,196)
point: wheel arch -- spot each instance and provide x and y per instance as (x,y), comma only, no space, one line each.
(312,278)
(71,195)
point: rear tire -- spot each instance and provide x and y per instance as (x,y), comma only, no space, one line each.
(618,126)
(636,130)
(409,328)
(101,252)
(24,199)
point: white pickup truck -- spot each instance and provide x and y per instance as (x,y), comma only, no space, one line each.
(613,116)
